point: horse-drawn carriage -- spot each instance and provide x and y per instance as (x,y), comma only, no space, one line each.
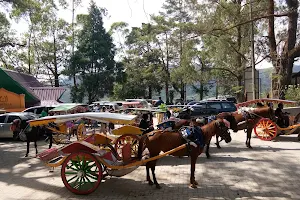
(268,129)
(85,163)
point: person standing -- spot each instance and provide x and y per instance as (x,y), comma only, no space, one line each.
(159,102)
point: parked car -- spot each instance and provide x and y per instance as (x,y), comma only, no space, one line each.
(208,108)
(192,103)
(223,98)
(38,109)
(7,119)
(142,102)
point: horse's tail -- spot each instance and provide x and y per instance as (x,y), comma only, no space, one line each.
(142,146)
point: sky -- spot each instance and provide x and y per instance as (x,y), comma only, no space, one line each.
(134,12)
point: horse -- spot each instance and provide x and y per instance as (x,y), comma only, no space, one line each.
(32,135)
(246,121)
(157,141)
(226,115)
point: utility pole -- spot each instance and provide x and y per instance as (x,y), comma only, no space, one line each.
(252,54)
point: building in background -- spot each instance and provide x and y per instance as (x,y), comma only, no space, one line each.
(15,84)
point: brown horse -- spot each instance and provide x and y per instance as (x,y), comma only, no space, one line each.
(246,121)
(158,141)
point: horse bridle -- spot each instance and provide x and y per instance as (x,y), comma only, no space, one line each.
(222,126)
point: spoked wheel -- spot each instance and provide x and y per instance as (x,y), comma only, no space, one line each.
(133,140)
(81,173)
(265,129)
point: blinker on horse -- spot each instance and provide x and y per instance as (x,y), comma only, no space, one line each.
(157,141)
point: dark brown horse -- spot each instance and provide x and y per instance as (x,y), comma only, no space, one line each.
(158,141)
(246,121)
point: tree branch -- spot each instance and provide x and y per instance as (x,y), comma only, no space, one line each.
(224,69)
(12,44)
(243,23)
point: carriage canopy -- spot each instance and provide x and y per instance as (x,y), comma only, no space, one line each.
(276,101)
(104,117)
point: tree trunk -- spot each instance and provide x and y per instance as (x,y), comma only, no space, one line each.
(284,62)
(182,91)
(201,90)
(240,94)
(29,49)
(167,92)
(282,76)
(150,92)
(56,75)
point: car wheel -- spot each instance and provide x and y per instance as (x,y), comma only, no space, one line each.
(16,136)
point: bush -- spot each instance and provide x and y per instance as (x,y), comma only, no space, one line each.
(293,93)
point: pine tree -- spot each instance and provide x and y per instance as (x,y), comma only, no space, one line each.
(94,58)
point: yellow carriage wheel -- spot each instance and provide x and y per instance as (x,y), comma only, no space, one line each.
(265,129)
(131,139)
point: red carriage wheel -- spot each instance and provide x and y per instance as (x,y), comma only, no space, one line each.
(81,173)
(265,129)
(133,140)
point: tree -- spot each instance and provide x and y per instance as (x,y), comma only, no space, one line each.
(284,47)
(94,57)
(143,59)
(227,50)
(52,49)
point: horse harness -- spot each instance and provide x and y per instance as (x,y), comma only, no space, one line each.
(249,116)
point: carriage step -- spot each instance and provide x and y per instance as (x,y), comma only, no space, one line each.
(55,160)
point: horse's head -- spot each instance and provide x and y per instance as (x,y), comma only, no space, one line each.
(223,130)
(230,118)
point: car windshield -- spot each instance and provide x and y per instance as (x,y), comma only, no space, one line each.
(227,105)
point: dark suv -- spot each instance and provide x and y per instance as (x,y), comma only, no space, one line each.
(208,108)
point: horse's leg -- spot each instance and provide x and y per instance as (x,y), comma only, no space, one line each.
(35,145)
(194,156)
(27,152)
(217,142)
(50,140)
(207,150)
(148,174)
(249,133)
(153,163)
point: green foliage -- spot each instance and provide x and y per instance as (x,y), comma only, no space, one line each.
(163,107)
(293,94)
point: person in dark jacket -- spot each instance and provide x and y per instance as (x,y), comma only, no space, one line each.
(283,119)
(144,124)
(159,102)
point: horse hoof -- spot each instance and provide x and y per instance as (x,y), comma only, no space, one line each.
(208,156)
(26,156)
(193,186)
(196,183)
(218,146)
(158,186)
(150,183)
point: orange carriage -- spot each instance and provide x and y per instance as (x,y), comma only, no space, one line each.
(266,129)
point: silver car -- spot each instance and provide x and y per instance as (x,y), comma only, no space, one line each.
(7,119)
